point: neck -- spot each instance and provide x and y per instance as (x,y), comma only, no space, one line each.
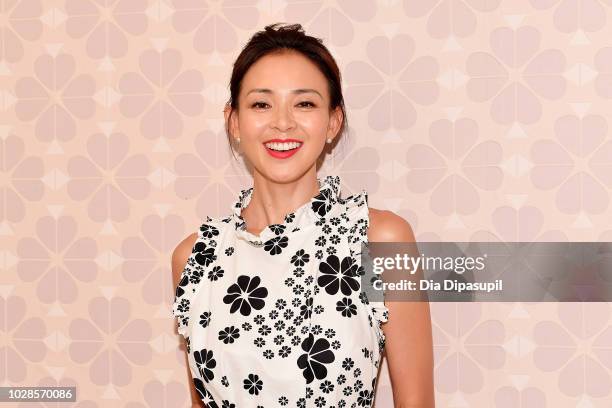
(271,199)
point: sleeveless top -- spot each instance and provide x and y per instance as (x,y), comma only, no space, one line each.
(279,319)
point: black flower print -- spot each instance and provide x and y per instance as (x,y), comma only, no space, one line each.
(205,319)
(313,361)
(253,384)
(278,229)
(321,241)
(348,363)
(229,334)
(205,363)
(346,307)
(275,245)
(264,330)
(322,203)
(203,254)
(196,274)
(259,342)
(215,273)
(245,295)
(312,323)
(300,258)
(316,329)
(284,351)
(179,289)
(209,231)
(188,341)
(204,394)
(365,398)
(339,275)
(334,239)
(327,386)
(306,309)
(259,319)
(319,254)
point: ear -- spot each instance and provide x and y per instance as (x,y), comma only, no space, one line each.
(233,122)
(335,121)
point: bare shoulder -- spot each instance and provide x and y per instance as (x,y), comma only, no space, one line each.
(180,255)
(387,226)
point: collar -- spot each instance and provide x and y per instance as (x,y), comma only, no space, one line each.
(313,210)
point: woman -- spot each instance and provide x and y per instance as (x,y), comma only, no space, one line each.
(268,298)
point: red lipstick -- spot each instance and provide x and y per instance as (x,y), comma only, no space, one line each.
(282,154)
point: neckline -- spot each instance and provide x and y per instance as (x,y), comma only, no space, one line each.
(317,207)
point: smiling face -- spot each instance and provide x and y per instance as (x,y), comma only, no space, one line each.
(284,96)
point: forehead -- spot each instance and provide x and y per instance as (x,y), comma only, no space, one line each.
(283,72)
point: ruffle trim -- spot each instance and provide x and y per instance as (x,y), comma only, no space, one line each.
(186,288)
(357,210)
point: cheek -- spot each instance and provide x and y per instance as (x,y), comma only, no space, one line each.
(315,124)
(250,123)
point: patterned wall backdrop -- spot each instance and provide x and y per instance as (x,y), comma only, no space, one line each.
(473,119)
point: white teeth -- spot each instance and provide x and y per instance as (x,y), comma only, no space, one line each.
(283,146)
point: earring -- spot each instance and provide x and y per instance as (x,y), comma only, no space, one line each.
(237,140)
(329,140)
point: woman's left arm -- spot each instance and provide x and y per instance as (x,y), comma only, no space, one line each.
(408,344)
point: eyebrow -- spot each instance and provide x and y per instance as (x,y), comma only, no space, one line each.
(295,91)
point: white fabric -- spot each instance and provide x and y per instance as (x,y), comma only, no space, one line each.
(280,319)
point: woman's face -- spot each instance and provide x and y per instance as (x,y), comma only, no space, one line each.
(284,96)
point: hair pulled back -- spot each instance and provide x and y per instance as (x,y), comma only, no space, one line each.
(277,38)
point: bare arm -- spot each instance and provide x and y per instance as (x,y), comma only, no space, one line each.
(408,345)
(179,260)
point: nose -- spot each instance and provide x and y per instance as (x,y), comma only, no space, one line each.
(283,119)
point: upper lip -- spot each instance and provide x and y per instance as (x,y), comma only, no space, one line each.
(282,141)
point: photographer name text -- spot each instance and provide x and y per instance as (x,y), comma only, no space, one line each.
(453,285)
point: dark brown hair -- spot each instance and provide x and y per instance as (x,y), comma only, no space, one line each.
(277,38)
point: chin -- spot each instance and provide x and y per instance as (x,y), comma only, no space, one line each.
(285,175)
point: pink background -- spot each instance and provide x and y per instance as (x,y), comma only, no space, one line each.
(473,119)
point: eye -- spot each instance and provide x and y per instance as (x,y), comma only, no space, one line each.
(257,104)
(307,102)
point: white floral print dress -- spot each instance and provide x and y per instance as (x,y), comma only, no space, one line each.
(279,319)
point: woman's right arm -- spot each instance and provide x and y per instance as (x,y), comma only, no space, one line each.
(179,260)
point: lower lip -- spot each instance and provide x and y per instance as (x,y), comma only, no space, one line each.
(283,155)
